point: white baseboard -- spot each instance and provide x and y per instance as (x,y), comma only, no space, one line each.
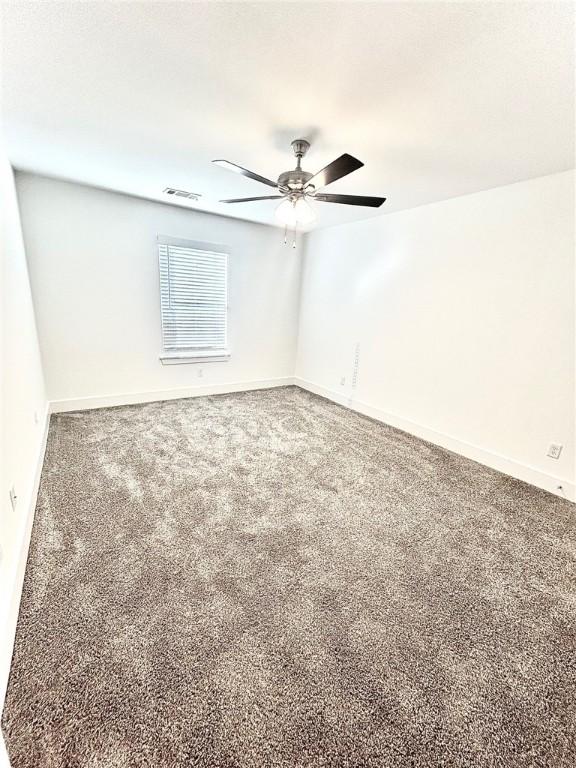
(488,458)
(13,592)
(131,398)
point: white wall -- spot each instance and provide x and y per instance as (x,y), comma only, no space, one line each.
(21,399)
(464,312)
(94,273)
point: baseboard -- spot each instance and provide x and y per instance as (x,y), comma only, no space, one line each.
(15,592)
(488,458)
(131,398)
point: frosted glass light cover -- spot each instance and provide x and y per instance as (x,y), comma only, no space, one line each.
(294,213)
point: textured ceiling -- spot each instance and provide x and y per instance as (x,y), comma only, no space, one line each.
(437,99)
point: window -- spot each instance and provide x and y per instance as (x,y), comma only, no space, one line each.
(193,300)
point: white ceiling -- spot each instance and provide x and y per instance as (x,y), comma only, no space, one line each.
(437,99)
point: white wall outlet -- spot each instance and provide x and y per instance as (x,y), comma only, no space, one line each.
(343,381)
(554,450)
(13,497)
(200,373)
(36,417)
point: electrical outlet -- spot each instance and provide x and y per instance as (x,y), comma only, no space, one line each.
(13,497)
(200,373)
(554,450)
(36,419)
(343,381)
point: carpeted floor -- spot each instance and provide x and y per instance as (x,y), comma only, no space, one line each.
(266,580)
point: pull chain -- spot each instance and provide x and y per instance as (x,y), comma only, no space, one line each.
(285,234)
(294,239)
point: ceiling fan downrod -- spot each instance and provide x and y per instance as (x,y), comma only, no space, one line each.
(300,147)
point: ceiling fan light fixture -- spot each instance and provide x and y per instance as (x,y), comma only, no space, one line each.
(296,185)
(292,213)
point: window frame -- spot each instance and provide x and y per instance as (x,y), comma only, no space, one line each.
(191,354)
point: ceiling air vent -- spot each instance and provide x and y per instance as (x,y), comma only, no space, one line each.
(182,193)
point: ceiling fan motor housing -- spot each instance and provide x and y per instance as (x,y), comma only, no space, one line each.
(294,180)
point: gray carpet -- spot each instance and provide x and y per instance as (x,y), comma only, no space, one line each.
(266,579)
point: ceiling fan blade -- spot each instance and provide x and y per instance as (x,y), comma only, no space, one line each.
(250,199)
(340,167)
(370,202)
(238,169)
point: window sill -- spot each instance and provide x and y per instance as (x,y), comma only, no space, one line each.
(182,358)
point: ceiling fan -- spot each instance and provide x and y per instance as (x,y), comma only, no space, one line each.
(297,187)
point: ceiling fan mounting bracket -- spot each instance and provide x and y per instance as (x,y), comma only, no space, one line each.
(300,147)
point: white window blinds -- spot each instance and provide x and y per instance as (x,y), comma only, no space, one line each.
(193,298)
